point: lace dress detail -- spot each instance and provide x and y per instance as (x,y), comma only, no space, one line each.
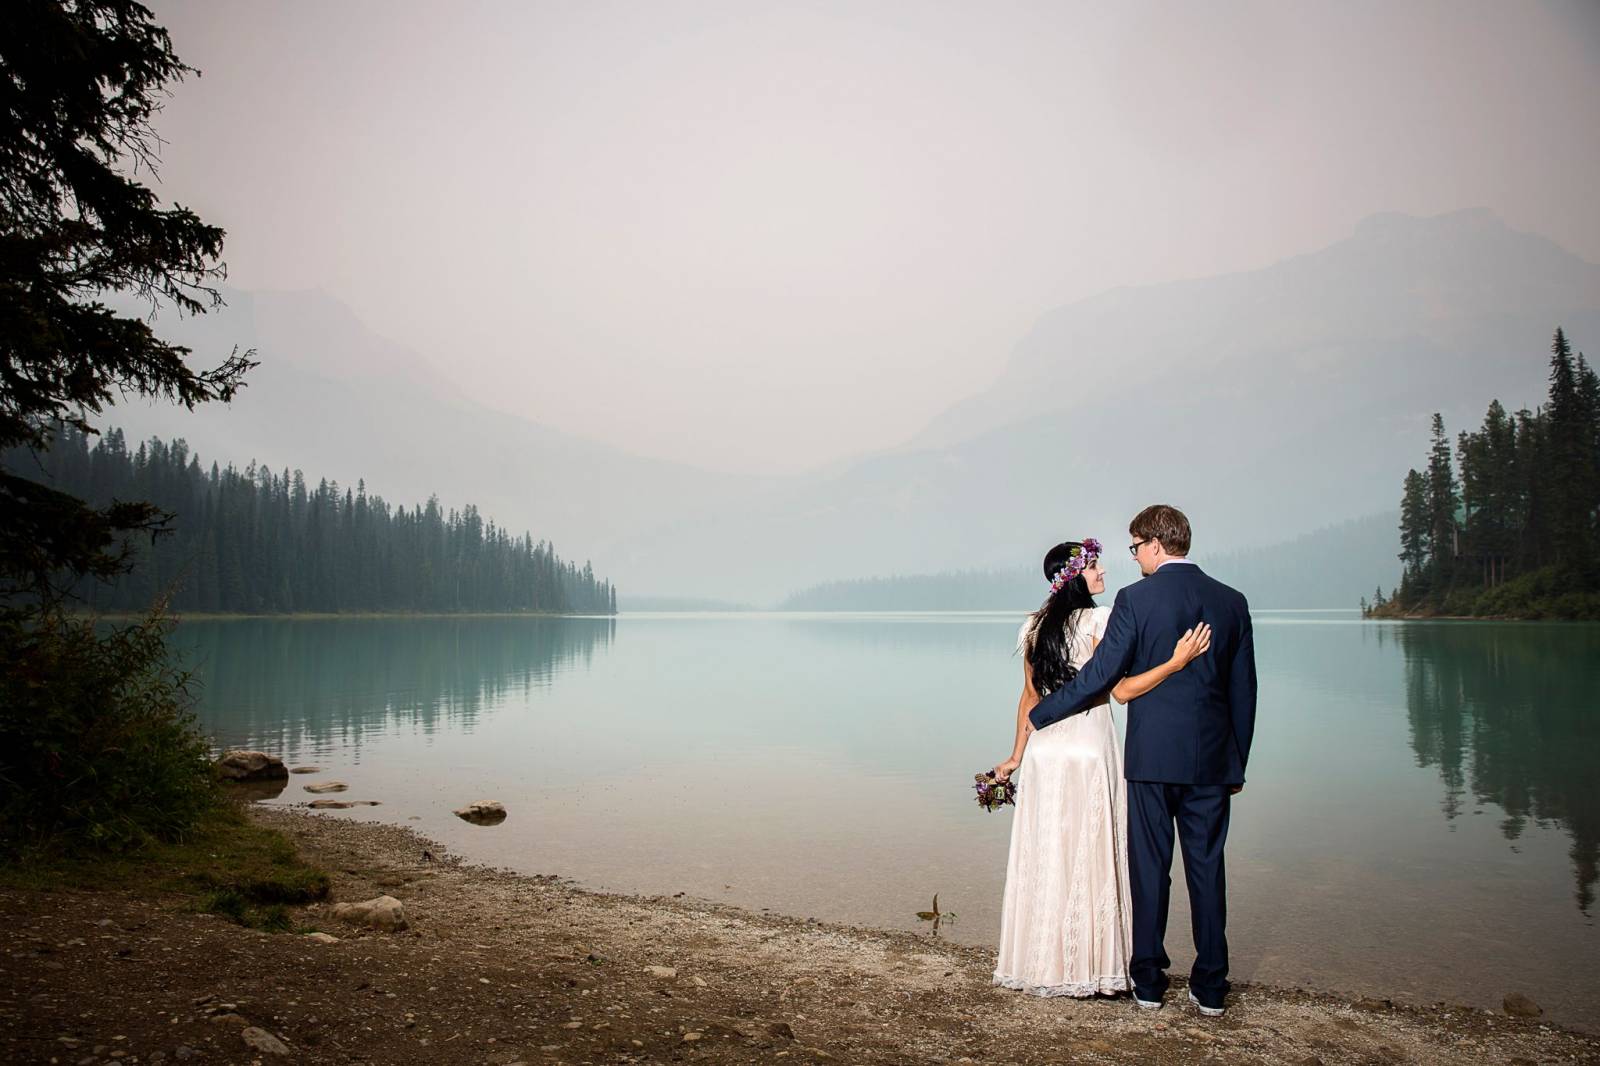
(1065,925)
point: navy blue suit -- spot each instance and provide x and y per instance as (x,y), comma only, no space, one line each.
(1188,740)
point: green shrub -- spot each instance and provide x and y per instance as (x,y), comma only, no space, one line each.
(98,746)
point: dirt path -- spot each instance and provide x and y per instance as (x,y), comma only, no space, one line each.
(499,968)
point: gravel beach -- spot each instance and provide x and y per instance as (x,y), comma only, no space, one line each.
(499,968)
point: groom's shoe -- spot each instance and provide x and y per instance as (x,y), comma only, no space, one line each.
(1209,1012)
(1146,1004)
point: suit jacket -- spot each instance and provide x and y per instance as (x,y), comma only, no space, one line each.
(1195,727)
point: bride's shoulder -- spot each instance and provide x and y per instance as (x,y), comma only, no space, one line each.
(1098,617)
(1025,634)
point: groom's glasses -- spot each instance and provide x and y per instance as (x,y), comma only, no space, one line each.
(1133,549)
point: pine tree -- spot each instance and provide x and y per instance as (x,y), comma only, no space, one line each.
(1588,460)
(81,83)
(1565,468)
(1414,529)
(1443,500)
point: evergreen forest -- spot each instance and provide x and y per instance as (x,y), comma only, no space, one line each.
(1505,520)
(255,541)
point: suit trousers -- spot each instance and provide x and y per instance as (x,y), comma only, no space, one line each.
(1200,813)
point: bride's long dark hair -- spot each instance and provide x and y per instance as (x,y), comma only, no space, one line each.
(1053,627)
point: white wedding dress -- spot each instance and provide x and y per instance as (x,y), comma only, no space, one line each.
(1065,927)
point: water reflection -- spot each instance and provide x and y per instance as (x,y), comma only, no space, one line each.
(317,685)
(1507,715)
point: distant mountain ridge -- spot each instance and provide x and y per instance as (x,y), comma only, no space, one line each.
(1267,404)
(1329,568)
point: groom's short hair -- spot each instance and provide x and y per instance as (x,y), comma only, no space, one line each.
(1165,523)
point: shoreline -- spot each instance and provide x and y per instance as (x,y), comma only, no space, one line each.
(322,616)
(502,968)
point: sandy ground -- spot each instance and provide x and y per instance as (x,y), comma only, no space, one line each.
(501,968)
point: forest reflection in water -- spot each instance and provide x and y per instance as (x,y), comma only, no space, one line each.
(309,686)
(1507,714)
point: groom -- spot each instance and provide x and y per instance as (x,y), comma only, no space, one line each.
(1187,743)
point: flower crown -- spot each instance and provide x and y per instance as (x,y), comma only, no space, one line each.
(1082,557)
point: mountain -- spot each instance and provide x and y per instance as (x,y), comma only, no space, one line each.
(1268,404)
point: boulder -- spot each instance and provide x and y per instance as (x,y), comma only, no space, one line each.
(483,812)
(237,764)
(383,913)
(1520,1006)
(326,786)
(263,1041)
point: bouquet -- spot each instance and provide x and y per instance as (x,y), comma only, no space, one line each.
(992,792)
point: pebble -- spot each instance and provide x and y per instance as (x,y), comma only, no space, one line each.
(663,972)
(691,1036)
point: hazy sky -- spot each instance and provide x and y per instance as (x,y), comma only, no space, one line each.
(763,236)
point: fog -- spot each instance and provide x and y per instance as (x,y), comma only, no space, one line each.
(766,238)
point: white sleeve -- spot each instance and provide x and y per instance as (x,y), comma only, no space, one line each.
(1102,618)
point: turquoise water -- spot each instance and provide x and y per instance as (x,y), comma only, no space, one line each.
(1421,818)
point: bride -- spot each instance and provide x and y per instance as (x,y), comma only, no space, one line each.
(1065,925)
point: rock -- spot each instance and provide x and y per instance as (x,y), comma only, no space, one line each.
(330,805)
(483,812)
(666,973)
(263,1041)
(183,1052)
(697,981)
(321,938)
(1520,1006)
(240,765)
(781,1030)
(691,1036)
(1370,1004)
(306,770)
(229,1018)
(326,786)
(384,913)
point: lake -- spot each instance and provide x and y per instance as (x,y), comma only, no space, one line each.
(1421,818)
